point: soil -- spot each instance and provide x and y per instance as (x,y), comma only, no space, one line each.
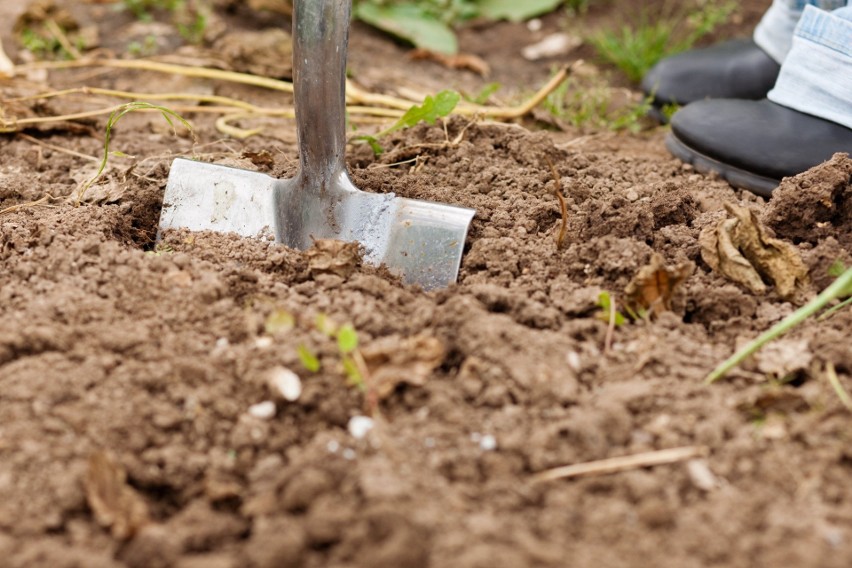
(129,370)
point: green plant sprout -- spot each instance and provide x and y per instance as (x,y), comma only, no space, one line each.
(607,306)
(117,115)
(347,345)
(308,359)
(840,288)
(347,341)
(484,94)
(594,105)
(432,109)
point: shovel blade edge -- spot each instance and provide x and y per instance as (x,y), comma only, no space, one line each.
(211,197)
(426,242)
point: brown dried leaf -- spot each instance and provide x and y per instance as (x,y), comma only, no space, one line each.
(654,286)
(393,361)
(329,256)
(742,249)
(466,61)
(114,503)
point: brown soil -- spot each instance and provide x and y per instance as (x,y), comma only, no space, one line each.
(151,357)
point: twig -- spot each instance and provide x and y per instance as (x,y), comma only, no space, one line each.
(840,287)
(563,208)
(834,380)
(534,101)
(55,148)
(623,463)
(62,38)
(27,205)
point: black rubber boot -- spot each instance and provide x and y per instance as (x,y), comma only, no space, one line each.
(753,144)
(736,69)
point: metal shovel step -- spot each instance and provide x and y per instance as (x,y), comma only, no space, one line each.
(418,240)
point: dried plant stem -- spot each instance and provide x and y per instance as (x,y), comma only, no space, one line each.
(840,287)
(28,205)
(563,208)
(360,100)
(60,36)
(56,148)
(834,380)
(624,463)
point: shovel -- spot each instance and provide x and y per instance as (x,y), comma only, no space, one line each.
(420,241)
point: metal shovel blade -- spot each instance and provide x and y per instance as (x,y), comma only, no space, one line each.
(418,240)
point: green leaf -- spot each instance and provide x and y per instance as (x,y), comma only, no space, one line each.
(605,303)
(308,359)
(347,339)
(353,375)
(377,148)
(279,320)
(431,110)
(410,22)
(482,96)
(515,10)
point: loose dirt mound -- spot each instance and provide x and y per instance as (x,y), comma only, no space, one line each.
(155,358)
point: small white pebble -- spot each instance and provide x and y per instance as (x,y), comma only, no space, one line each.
(359,426)
(574,362)
(262,410)
(333,446)
(349,454)
(488,443)
(263,342)
(285,383)
(701,476)
(534,25)
(553,45)
(631,195)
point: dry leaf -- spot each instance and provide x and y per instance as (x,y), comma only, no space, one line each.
(742,249)
(654,286)
(393,361)
(114,503)
(457,61)
(329,256)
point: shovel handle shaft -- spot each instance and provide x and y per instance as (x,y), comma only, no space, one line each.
(321,36)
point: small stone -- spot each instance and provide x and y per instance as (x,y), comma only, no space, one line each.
(488,443)
(349,454)
(285,383)
(263,410)
(631,195)
(360,426)
(553,45)
(535,25)
(263,342)
(574,362)
(701,476)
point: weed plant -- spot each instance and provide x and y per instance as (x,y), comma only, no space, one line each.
(635,48)
(592,103)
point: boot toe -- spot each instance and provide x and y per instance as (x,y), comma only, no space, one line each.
(736,69)
(753,144)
